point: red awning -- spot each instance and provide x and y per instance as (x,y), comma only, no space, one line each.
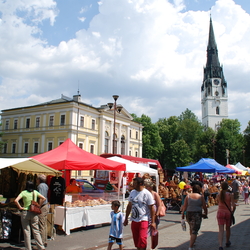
(68,156)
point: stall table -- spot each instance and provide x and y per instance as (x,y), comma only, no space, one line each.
(82,216)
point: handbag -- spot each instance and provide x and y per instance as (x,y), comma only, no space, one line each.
(232,215)
(206,192)
(34,206)
(162,209)
(154,238)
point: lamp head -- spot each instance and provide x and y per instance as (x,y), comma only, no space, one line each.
(115,97)
(119,108)
(110,104)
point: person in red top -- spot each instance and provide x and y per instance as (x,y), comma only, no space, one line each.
(226,206)
(73,188)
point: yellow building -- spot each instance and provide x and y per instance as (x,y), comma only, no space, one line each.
(32,130)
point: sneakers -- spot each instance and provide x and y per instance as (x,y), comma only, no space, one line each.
(228,244)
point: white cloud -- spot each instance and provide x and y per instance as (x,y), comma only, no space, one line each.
(150,52)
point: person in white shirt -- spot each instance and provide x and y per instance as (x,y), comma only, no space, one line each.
(141,203)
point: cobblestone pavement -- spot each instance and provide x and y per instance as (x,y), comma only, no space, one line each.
(171,235)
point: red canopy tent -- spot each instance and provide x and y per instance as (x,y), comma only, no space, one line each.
(68,156)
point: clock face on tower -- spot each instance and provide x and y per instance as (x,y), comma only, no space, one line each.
(216,81)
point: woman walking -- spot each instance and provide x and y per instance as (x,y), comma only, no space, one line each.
(30,219)
(226,207)
(193,205)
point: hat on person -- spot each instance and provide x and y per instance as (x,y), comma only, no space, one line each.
(187,187)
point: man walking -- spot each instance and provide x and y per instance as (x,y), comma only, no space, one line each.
(43,189)
(235,189)
(141,203)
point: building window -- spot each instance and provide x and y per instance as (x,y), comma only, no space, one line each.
(51,121)
(37,122)
(13,151)
(82,121)
(136,135)
(26,147)
(62,121)
(136,154)
(93,124)
(28,123)
(50,146)
(7,125)
(129,152)
(79,172)
(5,148)
(60,143)
(15,124)
(81,145)
(92,149)
(106,142)
(123,145)
(35,147)
(130,133)
(217,110)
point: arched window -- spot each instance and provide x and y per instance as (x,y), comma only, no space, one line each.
(123,145)
(217,110)
(106,143)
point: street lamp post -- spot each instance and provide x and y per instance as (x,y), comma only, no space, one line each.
(117,108)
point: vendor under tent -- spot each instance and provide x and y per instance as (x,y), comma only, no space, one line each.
(68,157)
(206,165)
(27,165)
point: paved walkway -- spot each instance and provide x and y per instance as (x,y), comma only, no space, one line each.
(172,237)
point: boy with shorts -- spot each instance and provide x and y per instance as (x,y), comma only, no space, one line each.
(116,228)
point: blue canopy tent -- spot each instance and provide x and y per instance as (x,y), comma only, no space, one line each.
(206,165)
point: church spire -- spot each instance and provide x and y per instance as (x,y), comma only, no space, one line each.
(212,51)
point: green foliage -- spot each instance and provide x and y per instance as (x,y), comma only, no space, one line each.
(229,138)
(246,149)
(152,145)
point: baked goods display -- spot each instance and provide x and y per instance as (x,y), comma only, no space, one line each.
(87,200)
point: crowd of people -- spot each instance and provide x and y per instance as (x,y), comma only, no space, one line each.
(144,205)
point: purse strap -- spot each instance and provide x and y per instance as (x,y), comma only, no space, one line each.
(228,208)
(33,198)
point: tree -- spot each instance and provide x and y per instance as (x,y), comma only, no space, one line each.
(206,144)
(152,145)
(229,138)
(190,130)
(246,149)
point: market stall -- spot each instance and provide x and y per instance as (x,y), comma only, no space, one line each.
(82,216)
(13,176)
(67,157)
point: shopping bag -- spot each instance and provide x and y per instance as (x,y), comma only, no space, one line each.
(162,209)
(154,238)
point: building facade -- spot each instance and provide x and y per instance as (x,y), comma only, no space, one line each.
(33,130)
(214,96)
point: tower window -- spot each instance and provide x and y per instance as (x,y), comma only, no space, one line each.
(217,110)
(216,93)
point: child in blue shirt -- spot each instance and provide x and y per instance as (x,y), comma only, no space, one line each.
(116,228)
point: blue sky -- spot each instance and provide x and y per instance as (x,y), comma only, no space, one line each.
(150,52)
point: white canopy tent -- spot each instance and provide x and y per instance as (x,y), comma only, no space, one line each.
(27,165)
(241,167)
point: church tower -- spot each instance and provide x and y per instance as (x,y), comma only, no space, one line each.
(214,99)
